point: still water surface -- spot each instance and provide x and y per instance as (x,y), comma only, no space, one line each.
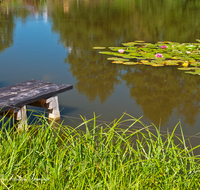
(53,41)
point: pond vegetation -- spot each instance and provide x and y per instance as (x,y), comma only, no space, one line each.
(157,55)
(103,156)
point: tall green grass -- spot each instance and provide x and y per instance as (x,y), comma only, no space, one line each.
(98,157)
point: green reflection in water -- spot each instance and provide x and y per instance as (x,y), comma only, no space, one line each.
(6,28)
(94,76)
(82,25)
(107,23)
(161,90)
(9,11)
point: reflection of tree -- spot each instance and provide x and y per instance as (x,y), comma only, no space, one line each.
(107,23)
(163,20)
(93,79)
(6,29)
(83,28)
(161,90)
(91,24)
(8,12)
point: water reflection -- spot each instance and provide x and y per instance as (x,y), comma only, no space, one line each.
(166,20)
(157,91)
(95,77)
(9,12)
(6,28)
(83,24)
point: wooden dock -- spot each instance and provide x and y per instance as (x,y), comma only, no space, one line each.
(15,98)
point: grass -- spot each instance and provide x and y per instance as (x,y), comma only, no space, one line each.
(100,157)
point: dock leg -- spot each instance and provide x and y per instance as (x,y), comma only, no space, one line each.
(53,108)
(21,118)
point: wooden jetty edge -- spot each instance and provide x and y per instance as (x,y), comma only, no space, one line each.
(15,98)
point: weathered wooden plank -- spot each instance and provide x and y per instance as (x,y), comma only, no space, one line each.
(31,95)
(21,87)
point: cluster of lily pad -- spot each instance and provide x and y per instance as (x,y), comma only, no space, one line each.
(186,55)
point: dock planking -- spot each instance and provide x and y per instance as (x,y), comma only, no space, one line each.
(32,92)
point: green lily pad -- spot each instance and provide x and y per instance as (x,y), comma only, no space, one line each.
(196,72)
(128,57)
(129,44)
(195,64)
(116,48)
(99,47)
(118,62)
(173,53)
(167,56)
(186,68)
(135,54)
(139,41)
(159,61)
(149,56)
(130,63)
(117,59)
(171,63)
(146,62)
(157,65)
(106,52)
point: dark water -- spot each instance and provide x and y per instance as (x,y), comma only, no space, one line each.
(53,40)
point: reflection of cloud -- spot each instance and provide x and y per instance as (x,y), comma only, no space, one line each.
(45,15)
(69,49)
(48,77)
(36,15)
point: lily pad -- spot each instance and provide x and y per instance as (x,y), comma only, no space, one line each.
(186,68)
(106,52)
(99,47)
(129,44)
(175,58)
(196,72)
(118,62)
(130,63)
(195,64)
(157,65)
(171,63)
(144,61)
(116,48)
(139,41)
(158,54)
(117,59)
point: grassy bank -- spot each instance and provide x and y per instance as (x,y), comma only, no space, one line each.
(100,157)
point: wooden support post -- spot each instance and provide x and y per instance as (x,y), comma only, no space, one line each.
(53,108)
(21,118)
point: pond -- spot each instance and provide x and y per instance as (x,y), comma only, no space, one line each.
(54,40)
